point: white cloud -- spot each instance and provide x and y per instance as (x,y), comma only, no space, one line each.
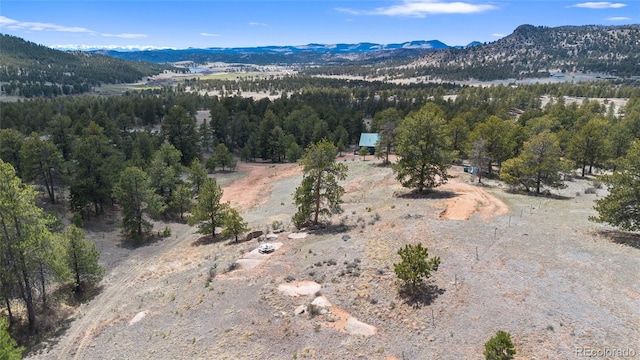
(422,8)
(209,34)
(349,11)
(107,47)
(126,36)
(12,24)
(619,18)
(498,35)
(598,5)
(257,24)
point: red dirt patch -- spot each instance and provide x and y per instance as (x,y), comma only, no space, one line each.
(468,200)
(254,188)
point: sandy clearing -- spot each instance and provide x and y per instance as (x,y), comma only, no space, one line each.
(254,189)
(139,316)
(255,258)
(345,322)
(469,199)
(299,288)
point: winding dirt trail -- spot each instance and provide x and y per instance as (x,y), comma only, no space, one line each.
(73,344)
(251,190)
(470,199)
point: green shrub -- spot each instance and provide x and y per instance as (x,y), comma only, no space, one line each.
(415,266)
(499,347)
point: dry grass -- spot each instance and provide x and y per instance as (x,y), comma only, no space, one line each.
(537,267)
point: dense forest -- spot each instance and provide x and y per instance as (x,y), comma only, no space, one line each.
(30,70)
(133,126)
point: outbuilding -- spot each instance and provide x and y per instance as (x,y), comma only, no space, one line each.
(368,140)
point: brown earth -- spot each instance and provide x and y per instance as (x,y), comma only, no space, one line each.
(253,189)
(468,200)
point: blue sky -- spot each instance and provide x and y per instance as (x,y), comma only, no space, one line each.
(217,23)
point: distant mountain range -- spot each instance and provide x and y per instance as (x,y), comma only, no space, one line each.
(282,54)
(30,69)
(288,49)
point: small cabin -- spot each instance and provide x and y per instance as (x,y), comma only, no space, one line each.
(369,141)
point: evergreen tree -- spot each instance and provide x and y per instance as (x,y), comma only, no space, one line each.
(179,128)
(223,157)
(209,212)
(135,196)
(294,152)
(10,144)
(164,174)
(423,150)
(25,239)
(621,207)
(197,174)
(494,134)
(81,257)
(9,349)
(539,164)
(42,160)
(587,146)
(94,171)
(182,202)
(319,193)
(415,266)
(499,347)
(234,225)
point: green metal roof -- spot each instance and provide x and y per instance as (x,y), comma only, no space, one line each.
(369,139)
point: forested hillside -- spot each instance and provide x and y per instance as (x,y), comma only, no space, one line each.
(532,50)
(529,51)
(28,69)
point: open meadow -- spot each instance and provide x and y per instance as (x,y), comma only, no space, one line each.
(532,266)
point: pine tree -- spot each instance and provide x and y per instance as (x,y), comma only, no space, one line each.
(538,165)
(81,257)
(9,349)
(42,160)
(621,207)
(499,347)
(415,266)
(422,147)
(234,225)
(209,212)
(134,195)
(197,174)
(319,193)
(25,238)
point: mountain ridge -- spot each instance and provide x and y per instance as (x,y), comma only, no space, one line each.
(319,47)
(531,50)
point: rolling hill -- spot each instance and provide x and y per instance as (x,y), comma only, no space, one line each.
(28,69)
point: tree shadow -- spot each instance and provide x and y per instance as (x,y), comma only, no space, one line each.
(231,240)
(544,194)
(330,229)
(622,237)
(421,295)
(206,240)
(432,194)
(131,244)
